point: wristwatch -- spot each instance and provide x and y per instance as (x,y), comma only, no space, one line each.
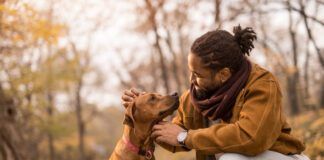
(182,137)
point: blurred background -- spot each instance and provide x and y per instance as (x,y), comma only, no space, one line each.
(64,65)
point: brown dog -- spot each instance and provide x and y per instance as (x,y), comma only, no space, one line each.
(146,110)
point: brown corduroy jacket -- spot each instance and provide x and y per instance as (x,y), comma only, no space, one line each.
(258,122)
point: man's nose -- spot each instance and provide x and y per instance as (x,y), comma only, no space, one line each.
(192,78)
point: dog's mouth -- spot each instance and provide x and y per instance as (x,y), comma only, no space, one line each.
(164,113)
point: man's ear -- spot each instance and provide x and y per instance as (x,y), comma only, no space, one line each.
(129,115)
(225,74)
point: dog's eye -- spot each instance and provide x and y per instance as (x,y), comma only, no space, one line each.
(152,98)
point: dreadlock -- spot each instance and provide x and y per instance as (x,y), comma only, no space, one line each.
(219,48)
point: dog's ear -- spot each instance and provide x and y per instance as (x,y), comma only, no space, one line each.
(129,115)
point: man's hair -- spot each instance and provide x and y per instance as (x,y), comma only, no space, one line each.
(219,49)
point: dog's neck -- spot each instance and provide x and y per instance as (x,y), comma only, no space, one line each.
(139,137)
(128,147)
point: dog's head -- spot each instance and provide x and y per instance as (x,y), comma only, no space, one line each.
(150,108)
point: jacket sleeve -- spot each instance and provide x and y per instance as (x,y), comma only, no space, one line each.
(258,126)
(178,120)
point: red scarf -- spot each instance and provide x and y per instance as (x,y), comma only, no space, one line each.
(221,102)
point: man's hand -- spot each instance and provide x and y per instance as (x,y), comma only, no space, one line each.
(129,96)
(166,132)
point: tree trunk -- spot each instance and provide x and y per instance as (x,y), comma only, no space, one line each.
(152,13)
(175,69)
(218,21)
(50,137)
(81,125)
(322,91)
(292,93)
(310,35)
(154,74)
(307,99)
(163,67)
(8,147)
(184,61)
(293,78)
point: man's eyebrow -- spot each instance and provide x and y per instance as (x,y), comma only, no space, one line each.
(195,72)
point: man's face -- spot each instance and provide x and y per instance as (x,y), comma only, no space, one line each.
(204,79)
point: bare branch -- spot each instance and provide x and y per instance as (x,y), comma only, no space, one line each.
(309,33)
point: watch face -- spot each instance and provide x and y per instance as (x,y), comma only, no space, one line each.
(182,136)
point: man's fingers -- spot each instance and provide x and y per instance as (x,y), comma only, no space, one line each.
(135,92)
(159,139)
(127,98)
(156,133)
(142,93)
(130,93)
(163,122)
(157,127)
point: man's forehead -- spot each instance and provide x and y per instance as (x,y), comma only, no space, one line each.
(195,64)
(198,69)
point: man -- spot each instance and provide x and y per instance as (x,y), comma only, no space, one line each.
(233,109)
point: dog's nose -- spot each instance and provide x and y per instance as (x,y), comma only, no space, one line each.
(175,94)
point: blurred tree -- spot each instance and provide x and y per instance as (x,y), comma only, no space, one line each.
(168,59)
(23,30)
(283,55)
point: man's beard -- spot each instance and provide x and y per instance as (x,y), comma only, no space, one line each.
(203,94)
